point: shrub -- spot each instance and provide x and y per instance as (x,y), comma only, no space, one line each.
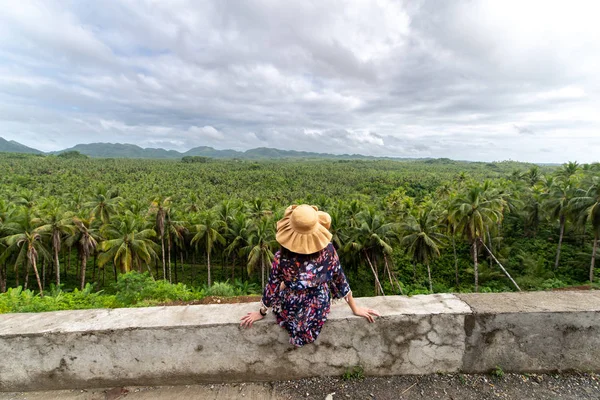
(223,289)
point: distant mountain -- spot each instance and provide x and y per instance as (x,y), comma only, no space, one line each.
(123,150)
(205,151)
(119,150)
(10,146)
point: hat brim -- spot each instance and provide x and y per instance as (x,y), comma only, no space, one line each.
(302,243)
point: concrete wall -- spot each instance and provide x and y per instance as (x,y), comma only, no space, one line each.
(190,344)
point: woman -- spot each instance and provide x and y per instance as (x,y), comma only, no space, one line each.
(305,274)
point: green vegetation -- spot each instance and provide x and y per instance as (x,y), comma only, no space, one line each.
(355,373)
(405,227)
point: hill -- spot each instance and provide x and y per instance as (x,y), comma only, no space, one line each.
(10,146)
(120,150)
(124,150)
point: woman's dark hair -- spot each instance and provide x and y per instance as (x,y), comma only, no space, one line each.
(285,253)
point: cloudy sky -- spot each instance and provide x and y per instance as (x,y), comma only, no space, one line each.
(475,80)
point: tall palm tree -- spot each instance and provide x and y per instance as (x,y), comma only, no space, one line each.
(239,231)
(372,238)
(160,207)
(30,247)
(86,238)
(261,242)
(56,223)
(587,203)
(475,212)
(206,233)
(129,243)
(175,230)
(557,203)
(422,236)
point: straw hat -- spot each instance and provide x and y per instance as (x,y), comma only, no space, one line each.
(303,229)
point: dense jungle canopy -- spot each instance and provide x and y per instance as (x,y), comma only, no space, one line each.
(399,226)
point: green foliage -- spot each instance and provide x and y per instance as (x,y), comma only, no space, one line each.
(72,155)
(221,289)
(498,372)
(195,159)
(243,288)
(134,287)
(355,373)
(193,222)
(19,300)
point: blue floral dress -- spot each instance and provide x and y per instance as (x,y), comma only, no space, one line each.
(303,306)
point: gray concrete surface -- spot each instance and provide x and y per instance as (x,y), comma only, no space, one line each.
(534,331)
(204,343)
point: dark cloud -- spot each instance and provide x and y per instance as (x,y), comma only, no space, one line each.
(480,80)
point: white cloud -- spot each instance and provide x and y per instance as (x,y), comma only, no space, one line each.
(465,79)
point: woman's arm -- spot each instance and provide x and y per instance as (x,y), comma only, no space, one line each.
(360,311)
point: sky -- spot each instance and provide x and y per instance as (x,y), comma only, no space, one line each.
(462,79)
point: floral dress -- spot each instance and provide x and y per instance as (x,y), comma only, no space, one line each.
(303,306)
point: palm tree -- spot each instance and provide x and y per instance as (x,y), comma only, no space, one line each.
(587,203)
(207,233)
(532,176)
(30,247)
(103,205)
(475,212)
(176,231)
(239,231)
(56,223)
(129,244)
(422,237)
(160,207)
(372,239)
(568,170)
(261,242)
(86,239)
(557,203)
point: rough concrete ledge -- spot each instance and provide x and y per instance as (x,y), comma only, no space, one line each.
(204,343)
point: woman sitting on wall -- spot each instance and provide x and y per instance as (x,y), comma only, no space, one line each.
(305,274)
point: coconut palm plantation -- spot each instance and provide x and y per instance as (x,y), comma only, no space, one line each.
(120,232)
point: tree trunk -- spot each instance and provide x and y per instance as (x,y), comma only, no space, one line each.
(374,273)
(94,267)
(57,266)
(26,276)
(162,245)
(193,266)
(501,267)
(394,277)
(182,265)
(115,270)
(3,278)
(37,277)
(262,270)
(208,266)
(175,259)
(43,274)
(475,266)
(68,266)
(16,274)
(593,258)
(455,263)
(78,266)
(169,256)
(429,275)
(560,239)
(83,267)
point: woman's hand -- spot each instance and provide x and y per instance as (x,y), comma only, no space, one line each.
(366,313)
(250,318)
